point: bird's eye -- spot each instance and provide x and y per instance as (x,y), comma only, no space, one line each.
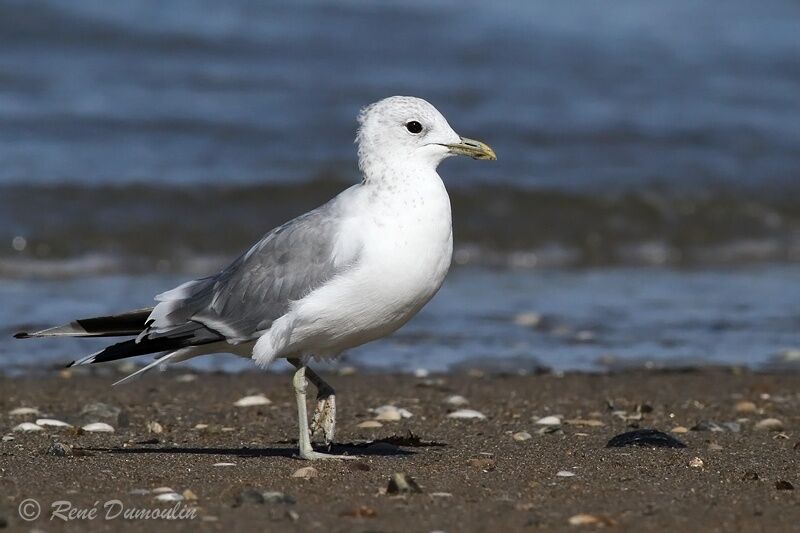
(414,127)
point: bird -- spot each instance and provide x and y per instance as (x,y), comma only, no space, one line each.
(351,271)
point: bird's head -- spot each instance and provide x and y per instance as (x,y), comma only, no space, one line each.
(412,130)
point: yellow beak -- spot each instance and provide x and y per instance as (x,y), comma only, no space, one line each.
(472,148)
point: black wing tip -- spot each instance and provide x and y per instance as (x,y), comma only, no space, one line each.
(71,364)
(22,335)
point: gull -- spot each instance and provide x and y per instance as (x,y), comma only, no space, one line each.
(349,272)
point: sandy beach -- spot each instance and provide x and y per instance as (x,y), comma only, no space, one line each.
(234,466)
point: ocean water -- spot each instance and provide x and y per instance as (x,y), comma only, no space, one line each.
(645,205)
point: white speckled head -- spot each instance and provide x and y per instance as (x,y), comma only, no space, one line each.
(403,129)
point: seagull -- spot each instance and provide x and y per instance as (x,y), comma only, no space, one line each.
(349,272)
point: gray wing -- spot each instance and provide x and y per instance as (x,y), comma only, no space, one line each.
(243,300)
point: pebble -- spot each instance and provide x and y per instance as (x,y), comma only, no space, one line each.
(186,378)
(201,426)
(783,485)
(590,520)
(370,424)
(274,496)
(549,421)
(252,401)
(224,464)
(467,413)
(22,411)
(422,373)
(59,450)
(521,436)
(155,427)
(441,495)
(696,462)
(585,422)
(249,496)
(456,400)
(390,413)
(162,490)
(51,422)
(745,407)
(679,429)
(98,427)
(402,483)
(169,497)
(189,495)
(307,472)
(645,437)
(7,438)
(769,424)
(565,473)
(28,426)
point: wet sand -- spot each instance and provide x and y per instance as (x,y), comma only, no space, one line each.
(473,474)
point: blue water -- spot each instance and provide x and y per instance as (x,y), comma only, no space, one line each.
(645,205)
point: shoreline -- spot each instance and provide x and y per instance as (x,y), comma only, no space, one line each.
(173,427)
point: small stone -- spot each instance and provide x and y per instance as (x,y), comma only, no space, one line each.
(162,490)
(441,495)
(28,426)
(52,422)
(362,511)
(588,422)
(224,464)
(679,429)
(186,378)
(591,520)
(707,425)
(307,472)
(189,495)
(23,411)
(8,438)
(293,515)
(467,413)
(645,437)
(155,427)
(549,421)
(98,427)
(59,449)
(745,407)
(201,426)
(252,401)
(565,473)
(278,497)
(169,497)
(402,483)
(696,462)
(421,373)
(769,424)
(783,485)
(456,400)
(370,424)
(390,413)
(249,496)
(521,436)
(734,427)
